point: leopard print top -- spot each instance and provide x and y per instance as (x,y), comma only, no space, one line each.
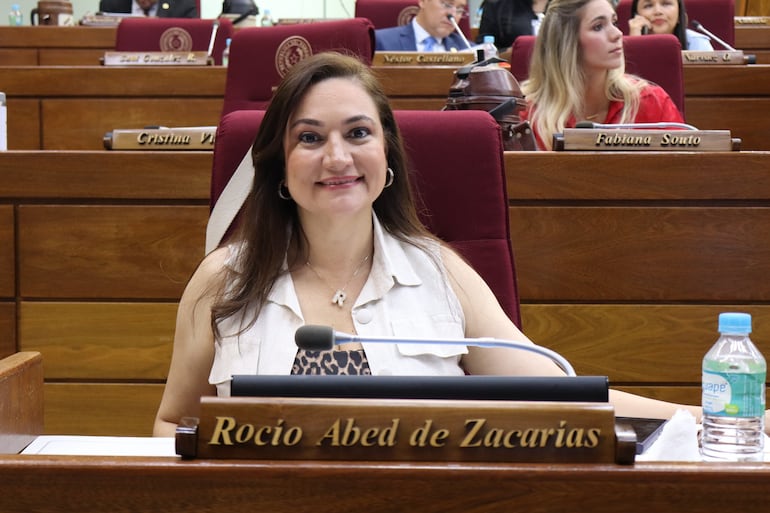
(331,362)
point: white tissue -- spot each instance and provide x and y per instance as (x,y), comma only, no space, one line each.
(678,440)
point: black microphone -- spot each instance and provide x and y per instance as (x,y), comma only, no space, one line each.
(317,338)
(700,28)
(457,29)
(662,125)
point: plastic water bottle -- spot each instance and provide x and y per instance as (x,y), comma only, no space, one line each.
(267,20)
(733,394)
(477,18)
(490,50)
(226,53)
(15,17)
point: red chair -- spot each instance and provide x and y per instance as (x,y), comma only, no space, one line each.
(467,209)
(259,57)
(657,58)
(171,35)
(717,16)
(391,13)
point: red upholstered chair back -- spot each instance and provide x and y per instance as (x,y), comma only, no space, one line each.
(717,16)
(657,58)
(390,13)
(171,35)
(462,195)
(259,57)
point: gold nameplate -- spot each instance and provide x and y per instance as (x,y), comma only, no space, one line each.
(714,57)
(101,20)
(423,58)
(404,430)
(599,139)
(752,20)
(156,59)
(186,138)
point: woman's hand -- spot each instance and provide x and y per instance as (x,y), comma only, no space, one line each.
(637,24)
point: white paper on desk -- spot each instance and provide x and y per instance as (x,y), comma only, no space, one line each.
(102,446)
(678,440)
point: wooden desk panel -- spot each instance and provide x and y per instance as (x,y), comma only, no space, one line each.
(92,341)
(96,117)
(76,103)
(7,253)
(24,124)
(21,401)
(93,251)
(632,241)
(754,39)
(54,46)
(167,485)
(101,408)
(7,328)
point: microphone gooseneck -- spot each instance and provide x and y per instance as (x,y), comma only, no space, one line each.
(214,29)
(457,29)
(700,28)
(315,338)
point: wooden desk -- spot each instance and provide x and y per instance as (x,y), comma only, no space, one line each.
(54,46)
(164,485)
(620,259)
(71,108)
(754,39)
(57,108)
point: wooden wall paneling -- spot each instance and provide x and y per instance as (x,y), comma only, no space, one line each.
(99,341)
(127,251)
(103,409)
(97,116)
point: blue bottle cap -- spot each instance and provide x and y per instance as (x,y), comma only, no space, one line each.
(733,322)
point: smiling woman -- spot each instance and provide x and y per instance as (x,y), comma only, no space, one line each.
(577,73)
(330,236)
(665,17)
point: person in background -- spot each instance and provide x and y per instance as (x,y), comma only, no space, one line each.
(509,19)
(429,31)
(159,8)
(577,73)
(330,233)
(665,17)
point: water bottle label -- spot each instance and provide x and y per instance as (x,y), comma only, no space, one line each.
(733,394)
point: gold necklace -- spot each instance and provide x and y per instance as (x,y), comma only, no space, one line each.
(339,296)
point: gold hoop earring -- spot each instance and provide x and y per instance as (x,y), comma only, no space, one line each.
(281,188)
(391,178)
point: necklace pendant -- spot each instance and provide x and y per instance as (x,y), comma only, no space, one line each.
(339,298)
